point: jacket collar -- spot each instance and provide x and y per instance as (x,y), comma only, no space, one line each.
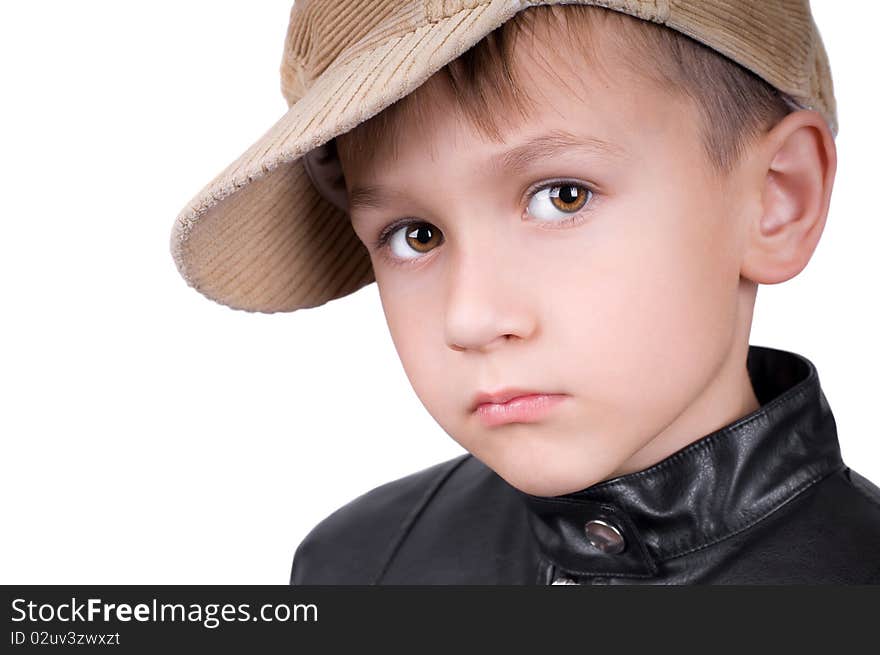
(714,487)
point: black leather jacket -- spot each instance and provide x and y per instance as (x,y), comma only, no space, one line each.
(765,500)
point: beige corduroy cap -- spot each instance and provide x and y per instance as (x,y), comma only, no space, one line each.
(271,233)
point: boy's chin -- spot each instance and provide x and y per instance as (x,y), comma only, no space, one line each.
(550,462)
(550,481)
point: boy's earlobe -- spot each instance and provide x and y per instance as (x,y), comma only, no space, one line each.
(798,158)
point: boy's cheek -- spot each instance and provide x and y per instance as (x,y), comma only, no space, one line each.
(641,297)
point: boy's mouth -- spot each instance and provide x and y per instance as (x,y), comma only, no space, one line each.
(503,395)
(521,409)
(514,405)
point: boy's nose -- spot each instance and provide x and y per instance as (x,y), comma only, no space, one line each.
(486,302)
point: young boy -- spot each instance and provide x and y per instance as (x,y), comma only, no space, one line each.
(568,209)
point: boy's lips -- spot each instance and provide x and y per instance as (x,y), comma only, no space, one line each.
(514,406)
(502,395)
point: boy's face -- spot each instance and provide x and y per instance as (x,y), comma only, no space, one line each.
(634,310)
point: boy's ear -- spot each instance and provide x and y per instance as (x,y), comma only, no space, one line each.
(794,164)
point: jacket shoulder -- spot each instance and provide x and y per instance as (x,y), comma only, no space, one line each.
(838,531)
(354,544)
(871,493)
(867,488)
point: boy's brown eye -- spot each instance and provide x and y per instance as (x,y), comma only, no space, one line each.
(554,203)
(408,240)
(568,197)
(422,238)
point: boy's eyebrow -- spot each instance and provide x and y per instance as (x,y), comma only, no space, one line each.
(515,160)
(550,145)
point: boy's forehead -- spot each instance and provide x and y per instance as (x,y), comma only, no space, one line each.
(598,111)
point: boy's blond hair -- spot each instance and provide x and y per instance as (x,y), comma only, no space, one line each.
(735,105)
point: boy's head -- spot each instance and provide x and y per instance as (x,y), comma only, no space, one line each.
(584,204)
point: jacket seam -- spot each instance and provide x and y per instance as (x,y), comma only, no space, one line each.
(415,513)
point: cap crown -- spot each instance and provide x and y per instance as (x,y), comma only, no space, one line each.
(776,39)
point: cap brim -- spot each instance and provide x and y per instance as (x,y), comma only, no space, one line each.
(259,236)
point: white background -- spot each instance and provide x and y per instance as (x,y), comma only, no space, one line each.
(152,436)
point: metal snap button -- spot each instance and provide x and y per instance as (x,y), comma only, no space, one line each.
(604,536)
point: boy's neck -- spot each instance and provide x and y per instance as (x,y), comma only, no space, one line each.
(728,397)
